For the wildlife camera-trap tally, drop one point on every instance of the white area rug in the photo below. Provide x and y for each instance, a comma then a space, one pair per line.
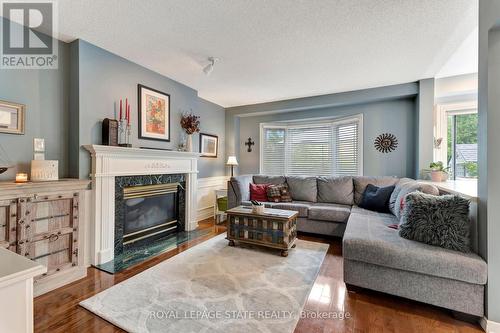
215, 288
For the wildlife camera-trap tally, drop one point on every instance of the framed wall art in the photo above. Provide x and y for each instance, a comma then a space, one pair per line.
12, 117
154, 114
209, 145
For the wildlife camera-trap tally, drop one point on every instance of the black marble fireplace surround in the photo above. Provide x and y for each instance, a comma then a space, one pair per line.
128, 181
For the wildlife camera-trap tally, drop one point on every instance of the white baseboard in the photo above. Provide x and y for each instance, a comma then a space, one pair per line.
489, 326
206, 195
205, 213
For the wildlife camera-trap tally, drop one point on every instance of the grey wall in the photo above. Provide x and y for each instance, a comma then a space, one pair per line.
396, 117
212, 118
66, 107
386, 109
74, 116
489, 154
425, 123
104, 78
45, 94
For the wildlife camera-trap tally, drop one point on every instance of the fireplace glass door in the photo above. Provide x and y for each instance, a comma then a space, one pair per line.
150, 210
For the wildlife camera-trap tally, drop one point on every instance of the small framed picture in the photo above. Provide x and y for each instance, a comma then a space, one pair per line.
154, 114
38, 145
209, 145
12, 118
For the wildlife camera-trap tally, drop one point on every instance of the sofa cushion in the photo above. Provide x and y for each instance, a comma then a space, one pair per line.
368, 239
436, 220
376, 198
303, 188
302, 207
394, 195
246, 203
329, 212
338, 190
403, 189
241, 186
264, 179
360, 183
400, 199
358, 210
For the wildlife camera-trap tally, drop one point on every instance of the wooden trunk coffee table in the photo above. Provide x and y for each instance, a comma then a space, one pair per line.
275, 228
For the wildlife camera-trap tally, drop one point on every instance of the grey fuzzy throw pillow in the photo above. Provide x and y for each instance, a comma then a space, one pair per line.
436, 220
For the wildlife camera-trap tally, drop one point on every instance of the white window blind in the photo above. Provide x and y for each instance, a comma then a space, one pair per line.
347, 159
309, 150
317, 149
273, 150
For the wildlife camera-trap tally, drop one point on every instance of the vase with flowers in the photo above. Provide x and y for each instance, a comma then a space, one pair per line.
190, 123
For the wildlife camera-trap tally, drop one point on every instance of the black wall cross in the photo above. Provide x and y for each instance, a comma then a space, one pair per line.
249, 143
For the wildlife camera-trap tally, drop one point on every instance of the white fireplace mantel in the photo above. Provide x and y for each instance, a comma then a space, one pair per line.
109, 162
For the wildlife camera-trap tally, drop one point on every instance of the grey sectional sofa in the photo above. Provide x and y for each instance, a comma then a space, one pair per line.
375, 256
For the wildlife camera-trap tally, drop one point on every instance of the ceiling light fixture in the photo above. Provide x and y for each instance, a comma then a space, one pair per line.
210, 67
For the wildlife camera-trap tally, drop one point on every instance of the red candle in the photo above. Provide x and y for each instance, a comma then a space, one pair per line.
126, 106
120, 109
128, 115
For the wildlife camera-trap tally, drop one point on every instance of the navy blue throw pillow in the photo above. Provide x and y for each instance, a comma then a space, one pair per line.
376, 198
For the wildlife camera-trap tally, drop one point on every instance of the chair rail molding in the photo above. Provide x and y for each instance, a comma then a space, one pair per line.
206, 195
109, 162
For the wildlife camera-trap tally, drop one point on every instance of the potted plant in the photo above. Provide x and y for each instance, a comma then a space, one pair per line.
190, 124
438, 172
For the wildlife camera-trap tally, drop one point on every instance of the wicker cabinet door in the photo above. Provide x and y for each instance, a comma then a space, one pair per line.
49, 234
8, 217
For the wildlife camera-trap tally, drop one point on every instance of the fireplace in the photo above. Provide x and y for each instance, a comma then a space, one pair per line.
150, 211
147, 208
113, 169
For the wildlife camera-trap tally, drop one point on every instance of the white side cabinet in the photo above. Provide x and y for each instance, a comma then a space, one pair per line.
16, 291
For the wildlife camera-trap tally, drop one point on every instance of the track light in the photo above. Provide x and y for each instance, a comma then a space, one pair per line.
210, 67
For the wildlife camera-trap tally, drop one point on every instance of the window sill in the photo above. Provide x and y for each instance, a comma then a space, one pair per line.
465, 188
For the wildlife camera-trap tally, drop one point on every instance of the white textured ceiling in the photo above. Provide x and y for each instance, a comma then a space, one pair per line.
276, 49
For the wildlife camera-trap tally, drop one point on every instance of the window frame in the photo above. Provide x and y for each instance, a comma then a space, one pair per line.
441, 125
307, 123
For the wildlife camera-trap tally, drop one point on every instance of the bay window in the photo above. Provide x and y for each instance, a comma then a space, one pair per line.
322, 148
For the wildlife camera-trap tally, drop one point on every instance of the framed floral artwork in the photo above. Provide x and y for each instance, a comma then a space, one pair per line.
154, 114
209, 145
11, 117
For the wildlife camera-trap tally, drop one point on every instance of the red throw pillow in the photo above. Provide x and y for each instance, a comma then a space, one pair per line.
258, 192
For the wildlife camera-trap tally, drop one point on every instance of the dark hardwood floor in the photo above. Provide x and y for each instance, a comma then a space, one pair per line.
369, 311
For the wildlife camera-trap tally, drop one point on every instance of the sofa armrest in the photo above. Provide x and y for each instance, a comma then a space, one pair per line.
233, 197
238, 190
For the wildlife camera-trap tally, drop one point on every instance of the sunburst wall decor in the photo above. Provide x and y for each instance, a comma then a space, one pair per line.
385, 143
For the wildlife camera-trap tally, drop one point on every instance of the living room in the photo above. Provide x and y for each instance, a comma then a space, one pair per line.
263, 166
